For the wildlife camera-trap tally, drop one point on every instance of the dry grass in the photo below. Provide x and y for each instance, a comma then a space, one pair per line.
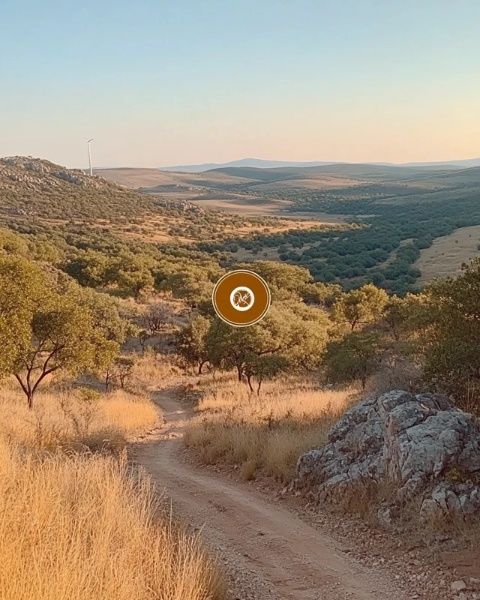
447, 254
76, 524
75, 418
152, 371
263, 434
84, 528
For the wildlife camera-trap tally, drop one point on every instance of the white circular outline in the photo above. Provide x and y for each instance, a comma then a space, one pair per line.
242, 288
254, 321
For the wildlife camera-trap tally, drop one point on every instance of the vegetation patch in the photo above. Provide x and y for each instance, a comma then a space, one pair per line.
266, 435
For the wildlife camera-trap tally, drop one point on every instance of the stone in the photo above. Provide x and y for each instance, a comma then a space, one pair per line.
420, 446
458, 586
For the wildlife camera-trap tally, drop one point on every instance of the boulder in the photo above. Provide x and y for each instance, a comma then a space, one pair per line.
420, 446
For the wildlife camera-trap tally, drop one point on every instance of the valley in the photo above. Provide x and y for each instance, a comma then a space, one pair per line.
376, 223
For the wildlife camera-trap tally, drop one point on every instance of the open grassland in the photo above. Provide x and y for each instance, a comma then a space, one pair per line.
75, 419
447, 254
76, 521
263, 434
86, 528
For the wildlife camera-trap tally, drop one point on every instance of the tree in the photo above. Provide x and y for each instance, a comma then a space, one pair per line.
156, 317
447, 333
191, 285
89, 268
293, 333
191, 342
44, 329
262, 368
283, 280
123, 369
360, 307
355, 357
324, 294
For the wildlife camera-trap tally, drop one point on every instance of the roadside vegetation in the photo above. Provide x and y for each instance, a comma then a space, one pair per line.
263, 435
85, 527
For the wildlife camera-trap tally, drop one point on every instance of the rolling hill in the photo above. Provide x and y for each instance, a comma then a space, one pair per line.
268, 164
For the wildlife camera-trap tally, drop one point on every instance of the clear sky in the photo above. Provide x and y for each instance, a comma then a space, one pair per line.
159, 83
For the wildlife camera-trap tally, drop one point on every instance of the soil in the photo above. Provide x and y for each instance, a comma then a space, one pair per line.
268, 550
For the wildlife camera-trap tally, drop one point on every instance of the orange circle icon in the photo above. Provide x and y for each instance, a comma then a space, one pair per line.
241, 298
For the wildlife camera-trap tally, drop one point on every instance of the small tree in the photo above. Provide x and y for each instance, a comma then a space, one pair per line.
446, 333
354, 358
123, 369
360, 307
191, 342
262, 368
292, 333
156, 317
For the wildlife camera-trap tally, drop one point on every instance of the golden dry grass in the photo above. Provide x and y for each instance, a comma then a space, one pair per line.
263, 434
75, 418
152, 371
447, 254
76, 524
84, 528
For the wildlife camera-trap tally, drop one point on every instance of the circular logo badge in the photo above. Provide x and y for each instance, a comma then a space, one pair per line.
241, 298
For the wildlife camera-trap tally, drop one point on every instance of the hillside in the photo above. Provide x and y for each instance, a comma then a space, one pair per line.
395, 214
35, 187
39, 196
250, 181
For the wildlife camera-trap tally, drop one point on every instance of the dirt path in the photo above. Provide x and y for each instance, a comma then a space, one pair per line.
268, 552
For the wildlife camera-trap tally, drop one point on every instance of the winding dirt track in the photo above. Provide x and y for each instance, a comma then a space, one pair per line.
268, 551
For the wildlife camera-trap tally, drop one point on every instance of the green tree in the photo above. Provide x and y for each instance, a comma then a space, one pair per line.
293, 333
360, 307
447, 333
89, 268
43, 329
191, 342
283, 280
262, 368
354, 358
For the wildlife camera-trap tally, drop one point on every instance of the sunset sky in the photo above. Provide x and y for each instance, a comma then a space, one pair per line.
160, 83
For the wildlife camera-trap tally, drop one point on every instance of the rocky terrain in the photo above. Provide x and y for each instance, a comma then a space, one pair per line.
397, 451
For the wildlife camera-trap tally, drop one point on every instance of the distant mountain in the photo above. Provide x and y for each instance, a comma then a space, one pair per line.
453, 164
258, 163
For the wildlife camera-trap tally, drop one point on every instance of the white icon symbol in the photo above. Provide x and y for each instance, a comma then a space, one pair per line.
242, 298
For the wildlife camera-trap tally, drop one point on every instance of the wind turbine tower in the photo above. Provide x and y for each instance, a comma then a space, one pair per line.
89, 144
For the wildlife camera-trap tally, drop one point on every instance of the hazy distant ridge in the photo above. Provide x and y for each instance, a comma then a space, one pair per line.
244, 162
259, 163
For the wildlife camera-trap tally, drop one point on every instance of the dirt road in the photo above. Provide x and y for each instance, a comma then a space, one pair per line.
268, 552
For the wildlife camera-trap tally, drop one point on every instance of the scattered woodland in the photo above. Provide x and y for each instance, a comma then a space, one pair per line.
93, 320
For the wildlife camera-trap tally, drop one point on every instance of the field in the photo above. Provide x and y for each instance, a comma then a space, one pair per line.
91, 533
447, 254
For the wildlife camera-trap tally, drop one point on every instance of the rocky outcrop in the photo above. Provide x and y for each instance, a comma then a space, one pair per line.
419, 447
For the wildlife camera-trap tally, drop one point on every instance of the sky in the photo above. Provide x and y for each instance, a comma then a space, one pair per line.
159, 83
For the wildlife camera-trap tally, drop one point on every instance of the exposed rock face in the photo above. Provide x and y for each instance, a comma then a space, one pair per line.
421, 446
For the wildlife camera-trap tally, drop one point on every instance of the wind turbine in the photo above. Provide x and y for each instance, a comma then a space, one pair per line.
89, 144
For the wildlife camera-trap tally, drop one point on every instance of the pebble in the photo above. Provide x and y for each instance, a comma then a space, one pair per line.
458, 586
